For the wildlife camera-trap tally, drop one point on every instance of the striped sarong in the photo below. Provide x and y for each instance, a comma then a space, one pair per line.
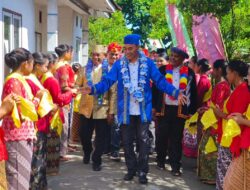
3, 181
238, 173
38, 178
223, 161
53, 156
65, 132
18, 166
74, 134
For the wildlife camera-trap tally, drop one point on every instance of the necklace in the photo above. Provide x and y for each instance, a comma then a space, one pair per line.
136, 92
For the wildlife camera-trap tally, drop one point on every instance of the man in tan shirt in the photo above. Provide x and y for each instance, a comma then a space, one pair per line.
93, 109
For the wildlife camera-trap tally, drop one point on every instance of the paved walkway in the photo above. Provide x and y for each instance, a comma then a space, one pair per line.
74, 175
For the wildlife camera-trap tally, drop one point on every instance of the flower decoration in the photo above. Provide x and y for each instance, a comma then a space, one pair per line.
136, 92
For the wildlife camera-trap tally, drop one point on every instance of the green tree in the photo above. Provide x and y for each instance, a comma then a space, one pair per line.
137, 15
106, 30
158, 18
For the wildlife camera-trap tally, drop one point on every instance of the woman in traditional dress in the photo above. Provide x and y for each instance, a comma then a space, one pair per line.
19, 133
5, 108
74, 133
52, 85
237, 103
221, 91
65, 75
238, 173
38, 176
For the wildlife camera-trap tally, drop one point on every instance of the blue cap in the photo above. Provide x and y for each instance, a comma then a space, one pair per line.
132, 39
180, 52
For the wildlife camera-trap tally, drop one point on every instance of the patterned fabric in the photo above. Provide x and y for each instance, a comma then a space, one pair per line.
74, 134
64, 136
223, 162
38, 178
18, 167
53, 155
88, 103
189, 144
12, 133
206, 162
123, 94
3, 181
238, 173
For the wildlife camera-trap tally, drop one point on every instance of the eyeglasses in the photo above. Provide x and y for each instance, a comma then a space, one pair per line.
159, 60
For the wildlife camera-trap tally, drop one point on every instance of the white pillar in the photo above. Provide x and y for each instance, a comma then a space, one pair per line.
85, 40
52, 25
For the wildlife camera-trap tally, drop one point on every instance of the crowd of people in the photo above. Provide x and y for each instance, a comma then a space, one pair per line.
124, 96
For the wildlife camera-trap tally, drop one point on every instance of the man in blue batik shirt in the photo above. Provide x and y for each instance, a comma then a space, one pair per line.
134, 102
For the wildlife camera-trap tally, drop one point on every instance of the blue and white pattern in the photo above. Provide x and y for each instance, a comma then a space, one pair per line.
137, 92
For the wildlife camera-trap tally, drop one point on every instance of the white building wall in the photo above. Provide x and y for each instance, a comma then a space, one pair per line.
65, 25
26, 9
41, 27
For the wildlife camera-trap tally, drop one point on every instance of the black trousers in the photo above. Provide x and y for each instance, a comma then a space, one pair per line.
87, 126
169, 137
139, 131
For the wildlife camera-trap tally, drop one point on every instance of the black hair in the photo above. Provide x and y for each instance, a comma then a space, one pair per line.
62, 49
52, 58
204, 65
194, 59
222, 64
39, 58
76, 67
239, 66
16, 57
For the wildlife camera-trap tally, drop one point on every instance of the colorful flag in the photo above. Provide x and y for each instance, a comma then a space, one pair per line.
178, 29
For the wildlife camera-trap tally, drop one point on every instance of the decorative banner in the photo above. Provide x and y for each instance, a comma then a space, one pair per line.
178, 29
207, 38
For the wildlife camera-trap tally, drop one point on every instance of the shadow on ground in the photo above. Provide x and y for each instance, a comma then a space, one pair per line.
74, 175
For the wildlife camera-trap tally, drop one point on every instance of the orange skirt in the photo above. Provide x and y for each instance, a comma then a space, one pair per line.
238, 173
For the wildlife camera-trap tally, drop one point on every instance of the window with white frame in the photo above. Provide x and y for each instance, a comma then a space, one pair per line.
12, 23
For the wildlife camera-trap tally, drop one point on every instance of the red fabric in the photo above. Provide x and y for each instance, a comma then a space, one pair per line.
238, 103
219, 95
3, 150
12, 133
65, 76
114, 47
59, 98
43, 123
203, 86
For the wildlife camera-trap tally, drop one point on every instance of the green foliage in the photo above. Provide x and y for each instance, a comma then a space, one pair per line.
137, 16
158, 18
106, 30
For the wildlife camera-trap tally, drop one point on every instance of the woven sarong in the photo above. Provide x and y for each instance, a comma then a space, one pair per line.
18, 167
238, 173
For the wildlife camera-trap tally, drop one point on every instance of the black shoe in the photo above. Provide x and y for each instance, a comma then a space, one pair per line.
96, 167
129, 176
86, 158
176, 173
160, 166
115, 156
143, 178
